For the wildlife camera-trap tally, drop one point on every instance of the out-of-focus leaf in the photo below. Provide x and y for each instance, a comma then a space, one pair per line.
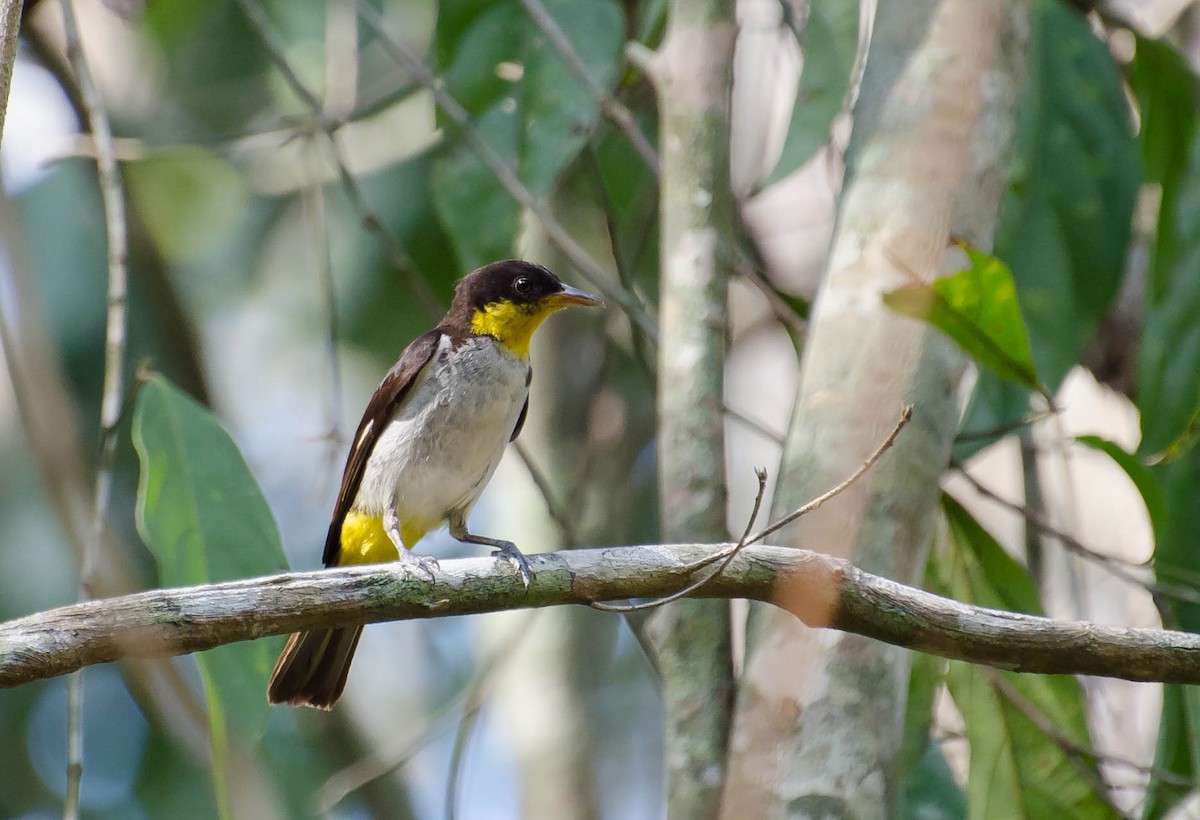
930, 790
1017, 769
376, 309
977, 308
927, 786
191, 200
1065, 223
981, 571
203, 516
480, 217
1168, 94
1177, 749
1176, 560
209, 50
527, 104
1143, 478
830, 43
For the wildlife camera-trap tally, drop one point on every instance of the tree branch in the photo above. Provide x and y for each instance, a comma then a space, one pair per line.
820, 590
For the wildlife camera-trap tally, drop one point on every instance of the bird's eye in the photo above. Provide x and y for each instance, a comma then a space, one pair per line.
521, 285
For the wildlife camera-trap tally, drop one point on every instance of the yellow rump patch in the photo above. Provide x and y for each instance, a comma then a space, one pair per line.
364, 540
511, 324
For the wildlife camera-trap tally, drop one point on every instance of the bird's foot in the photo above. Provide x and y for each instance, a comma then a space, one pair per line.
508, 551
424, 564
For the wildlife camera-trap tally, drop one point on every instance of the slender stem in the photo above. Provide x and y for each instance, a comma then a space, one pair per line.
112, 398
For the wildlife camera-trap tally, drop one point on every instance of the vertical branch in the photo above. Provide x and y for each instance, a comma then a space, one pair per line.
113, 397
819, 718
691, 639
10, 26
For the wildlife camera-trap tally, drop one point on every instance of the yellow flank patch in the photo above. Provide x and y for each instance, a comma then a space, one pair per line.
511, 324
364, 541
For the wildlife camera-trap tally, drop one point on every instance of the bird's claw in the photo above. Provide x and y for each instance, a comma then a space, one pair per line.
424, 564
509, 552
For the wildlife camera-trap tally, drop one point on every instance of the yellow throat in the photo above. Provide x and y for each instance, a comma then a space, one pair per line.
511, 324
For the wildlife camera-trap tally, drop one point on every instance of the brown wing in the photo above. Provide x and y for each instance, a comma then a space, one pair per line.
391, 391
524, 408
520, 420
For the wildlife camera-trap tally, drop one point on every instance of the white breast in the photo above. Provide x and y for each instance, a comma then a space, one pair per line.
441, 447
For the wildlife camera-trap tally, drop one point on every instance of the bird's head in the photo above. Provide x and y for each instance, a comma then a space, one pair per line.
509, 300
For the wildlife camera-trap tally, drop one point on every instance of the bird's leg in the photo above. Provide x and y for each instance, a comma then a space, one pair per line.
504, 549
424, 564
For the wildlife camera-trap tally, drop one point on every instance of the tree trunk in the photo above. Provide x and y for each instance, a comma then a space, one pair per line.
691, 638
819, 714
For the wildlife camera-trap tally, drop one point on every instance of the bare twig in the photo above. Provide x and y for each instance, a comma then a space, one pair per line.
358, 774
1075, 753
113, 391
728, 554
1118, 567
588, 268
821, 590
905, 417
731, 552
10, 26
324, 264
560, 516
616, 111
466, 727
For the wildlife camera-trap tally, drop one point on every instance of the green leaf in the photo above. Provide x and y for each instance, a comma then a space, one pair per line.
191, 200
527, 104
1143, 478
1017, 768
830, 44
1167, 94
930, 790
1178, 749
1176, 560
984, 573
977, 308
202, 515
1066, 221
1169, 355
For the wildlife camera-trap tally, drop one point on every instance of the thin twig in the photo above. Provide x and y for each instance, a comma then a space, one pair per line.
1076, 754
728, 554
905, 417
1043, 722
324, 264
1004, 429
588, 268
642, 347
560, 516
616, 111
343, 783
1121, 568
112, 398
328, 126
466, 728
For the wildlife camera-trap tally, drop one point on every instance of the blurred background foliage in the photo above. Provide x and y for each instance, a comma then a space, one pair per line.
299, 208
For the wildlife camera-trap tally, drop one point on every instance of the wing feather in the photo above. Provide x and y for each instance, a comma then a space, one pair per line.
394, 388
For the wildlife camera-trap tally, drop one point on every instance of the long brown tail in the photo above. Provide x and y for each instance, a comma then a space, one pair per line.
313, 667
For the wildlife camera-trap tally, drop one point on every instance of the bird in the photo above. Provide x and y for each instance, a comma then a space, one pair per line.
429, 441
